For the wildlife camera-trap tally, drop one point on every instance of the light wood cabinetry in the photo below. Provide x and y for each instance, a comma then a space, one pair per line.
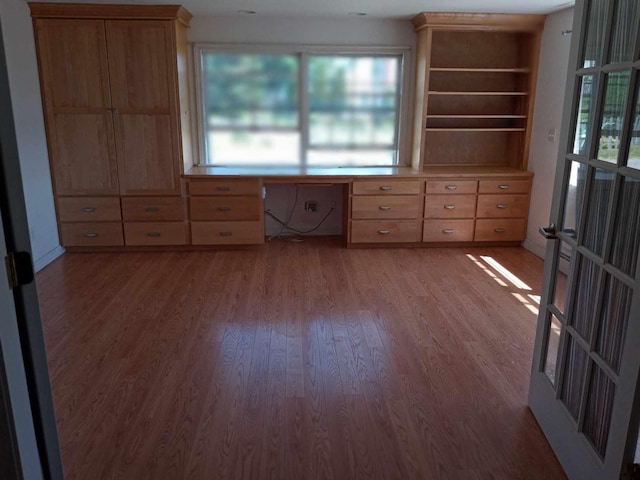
115, 97
227, 212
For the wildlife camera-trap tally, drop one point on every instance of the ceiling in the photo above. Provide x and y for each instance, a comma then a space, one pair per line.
340, 8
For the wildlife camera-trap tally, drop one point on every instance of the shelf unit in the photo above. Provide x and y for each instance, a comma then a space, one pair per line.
475, 89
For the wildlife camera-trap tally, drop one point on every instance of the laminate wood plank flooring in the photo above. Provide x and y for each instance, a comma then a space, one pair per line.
295, 362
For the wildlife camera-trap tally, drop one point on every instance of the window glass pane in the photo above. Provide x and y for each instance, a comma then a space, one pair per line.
624, 31
243, 147
626, 236
566, 260
553, 342
613, 321
584, 301
353, 105
615, 99
600, 194
573, 380
353, 158
583, 120
597, 418
574, 199
633, 160
595, 28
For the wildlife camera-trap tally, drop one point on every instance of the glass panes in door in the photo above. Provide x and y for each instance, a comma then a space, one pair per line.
595, 33
600, 196
626, 237
612, 116
582, 135
627, 17
613, 321
633, 155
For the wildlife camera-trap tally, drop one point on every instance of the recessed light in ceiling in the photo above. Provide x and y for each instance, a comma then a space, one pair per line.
358, 14
246, 12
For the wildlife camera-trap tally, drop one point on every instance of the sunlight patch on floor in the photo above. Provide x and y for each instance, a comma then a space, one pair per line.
487, 271
505, 273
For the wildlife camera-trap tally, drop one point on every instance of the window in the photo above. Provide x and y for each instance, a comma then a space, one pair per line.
308, 108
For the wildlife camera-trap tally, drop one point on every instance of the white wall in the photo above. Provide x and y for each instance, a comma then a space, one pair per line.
29, 124
554, 59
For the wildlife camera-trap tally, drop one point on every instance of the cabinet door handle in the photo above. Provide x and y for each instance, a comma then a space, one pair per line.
226, 234
224, 209
451, 187
449, 207
223, 189
384, 232
91, 235
499, 230
502, 206
89, 209
503, 187
153, 234
152, 209
386, 187
448, 231
384, 207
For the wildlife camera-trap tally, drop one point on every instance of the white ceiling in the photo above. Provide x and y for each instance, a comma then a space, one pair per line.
340, 8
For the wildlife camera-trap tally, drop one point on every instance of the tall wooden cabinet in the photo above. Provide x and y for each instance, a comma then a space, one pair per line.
116, 102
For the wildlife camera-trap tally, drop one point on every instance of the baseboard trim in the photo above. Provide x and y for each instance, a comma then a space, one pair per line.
47, 258
536, 249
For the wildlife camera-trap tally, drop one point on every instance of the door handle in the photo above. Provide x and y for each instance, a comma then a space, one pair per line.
549, 232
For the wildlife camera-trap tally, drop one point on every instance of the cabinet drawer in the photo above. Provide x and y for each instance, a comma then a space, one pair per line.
225, 208
452, 186
150, 209
386, 187
447, 231
385, 231
89, 209
450, 206
504, 186
225, 187
489, 230
155, 233
502, 206
91, 234
385, 206
226, 233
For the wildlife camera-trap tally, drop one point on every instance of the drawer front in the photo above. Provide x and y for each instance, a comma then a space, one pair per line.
451, 186
385, 231
504, 186
225, 208
448, 231
386, 187
89, 209
152, 209
155, 233
489, 230
502, 206
91, 234
450, 206
386, 206
226, 233
222, 187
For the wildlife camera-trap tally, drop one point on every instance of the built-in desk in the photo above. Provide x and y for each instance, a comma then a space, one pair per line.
382, 205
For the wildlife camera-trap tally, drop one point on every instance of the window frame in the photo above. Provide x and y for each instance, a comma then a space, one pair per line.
403, 115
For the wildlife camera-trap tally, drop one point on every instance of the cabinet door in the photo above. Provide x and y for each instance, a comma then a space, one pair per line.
74, 78
143, 88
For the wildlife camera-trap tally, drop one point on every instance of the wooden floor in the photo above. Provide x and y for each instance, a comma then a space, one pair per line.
295, 361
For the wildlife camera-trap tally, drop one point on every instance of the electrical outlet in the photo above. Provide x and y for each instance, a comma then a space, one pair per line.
311, 206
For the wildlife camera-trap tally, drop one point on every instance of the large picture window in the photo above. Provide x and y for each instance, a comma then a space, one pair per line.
306, 108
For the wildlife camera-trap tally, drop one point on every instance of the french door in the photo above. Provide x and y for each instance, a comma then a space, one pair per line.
584, 383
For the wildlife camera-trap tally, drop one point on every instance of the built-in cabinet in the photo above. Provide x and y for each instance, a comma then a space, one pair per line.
115, 98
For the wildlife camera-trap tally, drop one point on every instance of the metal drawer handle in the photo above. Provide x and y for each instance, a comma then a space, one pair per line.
499, 230
224, 209
91, 235
226, 234
88, 209
152, 209
451, 187
384, 207
153, 234
502, 206
449, 207
503, 187
386, 187
384, 232
223, 189
448, 231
